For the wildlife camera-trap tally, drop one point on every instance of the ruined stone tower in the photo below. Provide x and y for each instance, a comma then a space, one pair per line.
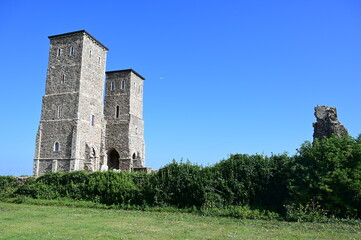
123, 112
74, 133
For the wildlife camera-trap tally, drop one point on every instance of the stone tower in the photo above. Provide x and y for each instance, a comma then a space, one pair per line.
123, 112
71, 126
76, 132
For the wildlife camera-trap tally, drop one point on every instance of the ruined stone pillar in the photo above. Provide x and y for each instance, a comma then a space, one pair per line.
327, 123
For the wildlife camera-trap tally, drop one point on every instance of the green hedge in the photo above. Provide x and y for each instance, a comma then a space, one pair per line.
8, 185
329, 172
325, 174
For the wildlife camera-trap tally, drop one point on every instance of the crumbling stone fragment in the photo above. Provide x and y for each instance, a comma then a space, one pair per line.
327, 123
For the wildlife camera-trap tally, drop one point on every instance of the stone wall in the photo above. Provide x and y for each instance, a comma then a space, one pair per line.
327, 123
74, 89
136, 124
90, 111
76, 132
123, 114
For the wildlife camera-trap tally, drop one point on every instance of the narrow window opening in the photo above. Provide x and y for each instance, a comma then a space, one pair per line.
122, 85
117, 112
58, 111
56, 147
112, 86
134, 156
62, 81
72, 51
99, 60
136, 131
59, 52
92, 120
90, 53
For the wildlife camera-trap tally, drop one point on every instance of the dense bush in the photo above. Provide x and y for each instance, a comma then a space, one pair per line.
180, 184
8, 185
253, 180
326, 172
311, 212
102, 187
329, 172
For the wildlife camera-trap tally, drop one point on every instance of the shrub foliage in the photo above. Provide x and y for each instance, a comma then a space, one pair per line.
326, 172
329, 172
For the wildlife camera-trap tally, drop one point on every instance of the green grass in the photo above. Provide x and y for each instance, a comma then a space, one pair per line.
22, 221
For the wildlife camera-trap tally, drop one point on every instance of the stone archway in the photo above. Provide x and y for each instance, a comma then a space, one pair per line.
113, 159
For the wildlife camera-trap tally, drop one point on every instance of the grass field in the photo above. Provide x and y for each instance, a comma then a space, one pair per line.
21, 221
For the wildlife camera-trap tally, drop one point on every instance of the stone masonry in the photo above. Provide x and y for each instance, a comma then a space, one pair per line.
77, 130
327, 123
123, 110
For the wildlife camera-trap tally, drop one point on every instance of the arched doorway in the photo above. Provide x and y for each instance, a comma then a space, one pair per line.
136, 160
113, 159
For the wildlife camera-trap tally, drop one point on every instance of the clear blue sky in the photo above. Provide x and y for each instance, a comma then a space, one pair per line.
222, 77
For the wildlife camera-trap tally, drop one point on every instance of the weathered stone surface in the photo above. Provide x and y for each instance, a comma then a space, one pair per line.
327, 123
142, 169
22, 179
76, 132
123, 112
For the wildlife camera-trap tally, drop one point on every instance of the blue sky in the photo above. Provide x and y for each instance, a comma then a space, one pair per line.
222, 77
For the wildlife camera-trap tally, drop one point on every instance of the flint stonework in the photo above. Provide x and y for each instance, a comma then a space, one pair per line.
327, 123
77, 130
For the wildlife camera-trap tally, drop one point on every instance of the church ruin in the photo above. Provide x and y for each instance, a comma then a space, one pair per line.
327, 123
80, 128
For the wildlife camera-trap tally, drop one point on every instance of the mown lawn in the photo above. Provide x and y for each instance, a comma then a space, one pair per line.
21, 221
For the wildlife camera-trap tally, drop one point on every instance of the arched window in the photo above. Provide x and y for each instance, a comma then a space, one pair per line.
122, 86
56, 147
90, 53
59, 52
117, 112
134, 156
72, 51
112, 85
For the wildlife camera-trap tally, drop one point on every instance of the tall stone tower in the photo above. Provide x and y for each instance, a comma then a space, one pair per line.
123, 112
71, 128
76, 132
